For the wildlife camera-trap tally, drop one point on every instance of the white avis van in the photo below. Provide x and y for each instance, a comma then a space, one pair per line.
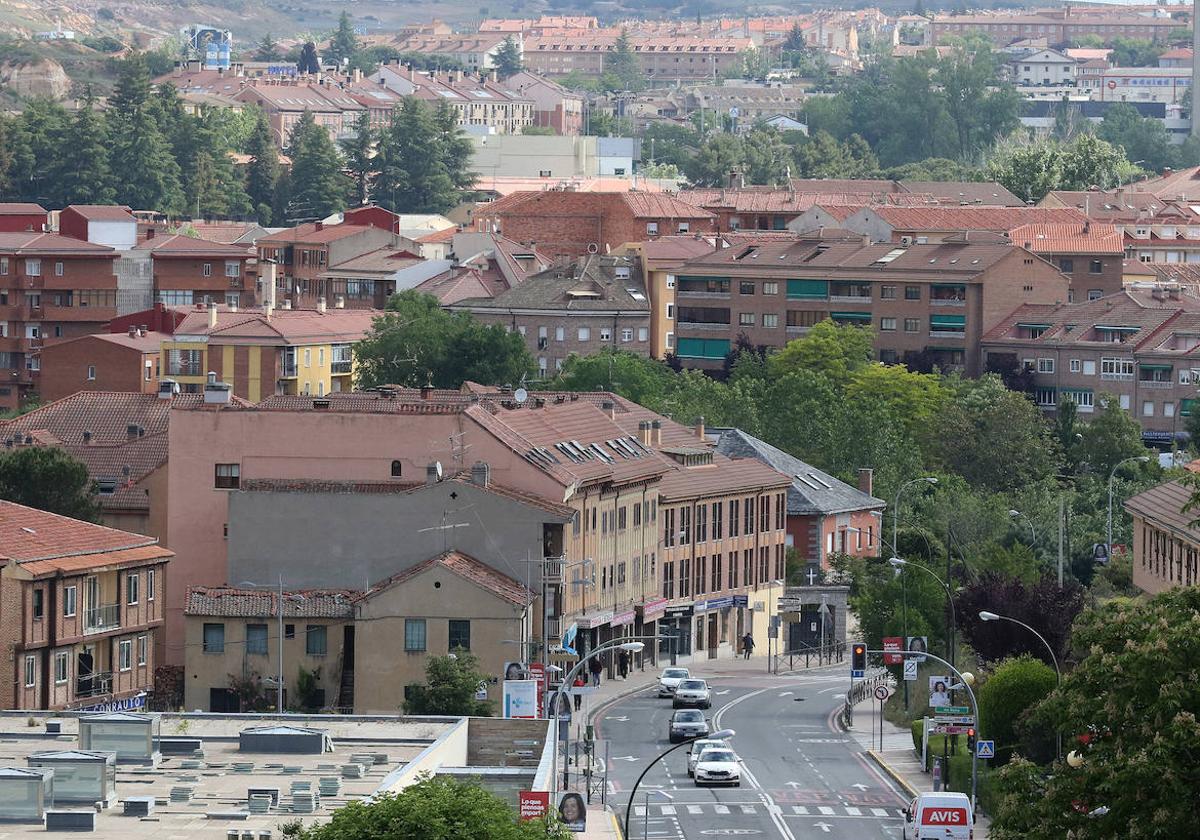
939, 816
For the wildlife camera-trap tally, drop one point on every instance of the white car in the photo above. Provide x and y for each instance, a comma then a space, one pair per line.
699, 746
669, 679
692, 693
718, 766
939, 816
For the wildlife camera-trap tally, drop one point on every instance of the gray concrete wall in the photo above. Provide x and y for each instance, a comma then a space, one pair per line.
353, 540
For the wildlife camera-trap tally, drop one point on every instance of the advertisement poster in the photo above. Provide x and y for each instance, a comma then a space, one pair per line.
939, 694
521, 699
891, 643
533, 804
920, 644
572, 811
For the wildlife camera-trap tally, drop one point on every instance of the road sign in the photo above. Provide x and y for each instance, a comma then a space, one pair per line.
881, 692
952, 710
948, 729
985, 749
856, 675
965, 720
910, 669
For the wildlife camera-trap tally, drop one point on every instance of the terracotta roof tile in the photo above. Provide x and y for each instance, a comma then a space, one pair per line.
107, 415
94, 562
1163, 505
34, 242
310, 233
230, 602
972, 218
17, 208
28, 534
191, 247
103, 212
1069, 238
466, 567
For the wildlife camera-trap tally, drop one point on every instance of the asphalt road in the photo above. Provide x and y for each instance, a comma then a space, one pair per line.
801, 777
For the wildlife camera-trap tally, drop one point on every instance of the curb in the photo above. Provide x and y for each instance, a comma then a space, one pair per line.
892, 773
620, 695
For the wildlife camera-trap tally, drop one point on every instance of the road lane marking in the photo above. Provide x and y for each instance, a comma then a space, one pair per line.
825, 810
722, 809
695, 809
748, 809
854, 812
667, 810
879, 812
800, 810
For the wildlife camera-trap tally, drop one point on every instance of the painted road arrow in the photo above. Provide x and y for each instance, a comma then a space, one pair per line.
860, 786
824, 826
793, 785
721, 693
624, 758
622, 719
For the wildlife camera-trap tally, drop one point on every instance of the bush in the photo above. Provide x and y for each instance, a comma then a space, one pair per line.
1010, 691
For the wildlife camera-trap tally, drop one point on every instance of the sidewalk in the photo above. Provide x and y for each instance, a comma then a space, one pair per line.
897, 759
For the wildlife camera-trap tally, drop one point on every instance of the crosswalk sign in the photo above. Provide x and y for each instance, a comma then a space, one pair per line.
985, 749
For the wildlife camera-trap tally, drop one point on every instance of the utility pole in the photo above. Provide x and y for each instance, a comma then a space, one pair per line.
1061, 538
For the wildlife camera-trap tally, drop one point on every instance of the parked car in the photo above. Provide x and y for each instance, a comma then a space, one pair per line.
944, 816
718, 766
669, 679
693, 693
687, 723
698, 746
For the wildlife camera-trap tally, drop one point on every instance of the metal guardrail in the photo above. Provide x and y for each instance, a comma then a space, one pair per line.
861, 691
790, 660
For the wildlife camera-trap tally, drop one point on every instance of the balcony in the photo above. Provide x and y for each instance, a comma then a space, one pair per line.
337, 368
1160, 384
947, 334
791, 330
702, 326
102, 619
99, 314
553, 569
95, 684
1116, 377
946, 302
865, 300
679, 293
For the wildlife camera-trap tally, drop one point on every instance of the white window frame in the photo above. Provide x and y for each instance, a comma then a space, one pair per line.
670, 281
606, 333
91, 373
1045, 365
626, 335
1076, 365
643, 334
560, 333
70, 601
233, 268
150, 584
206, 270
58, 268
1147, 408
142, 646
770, 320
125, 655
30, 671
584, 334
62, 665
133, 583
652, 228
1089, 367
1185, 376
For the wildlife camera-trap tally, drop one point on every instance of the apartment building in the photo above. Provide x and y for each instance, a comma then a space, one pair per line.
22, 217
1138, 345
889, 223
52, 287
1090, 254
578, 307
929, 303
575, 224
481, 106
259, 353
101, 362
304, 253
1166, 542
101, 224
285, 101
1156, 228
474, 52
1056, 26
554, 106
83, 610
660, 260
188, 270
660, 57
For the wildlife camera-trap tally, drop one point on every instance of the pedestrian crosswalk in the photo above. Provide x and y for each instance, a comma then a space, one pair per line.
749, 809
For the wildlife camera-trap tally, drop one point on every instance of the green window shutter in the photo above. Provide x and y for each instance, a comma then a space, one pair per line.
702, 348
807, 289
948, 320
865, 317
1185, 407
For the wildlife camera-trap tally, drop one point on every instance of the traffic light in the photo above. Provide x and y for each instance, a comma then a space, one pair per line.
858, 657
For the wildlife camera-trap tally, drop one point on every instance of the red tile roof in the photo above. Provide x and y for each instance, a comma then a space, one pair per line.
1069, 238
285, 326
230, 602
33, 242
106, 415
103, 212
17, 208
661, 206
973, 218
466, 567
192, 247
310, 233
29, 536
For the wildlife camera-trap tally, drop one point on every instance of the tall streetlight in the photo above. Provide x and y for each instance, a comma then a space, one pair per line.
279, 687
1016, 514
927, 479
1111, 476
900, 563
984, 615
719, 735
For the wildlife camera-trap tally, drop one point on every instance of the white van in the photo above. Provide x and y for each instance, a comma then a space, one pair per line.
939, 816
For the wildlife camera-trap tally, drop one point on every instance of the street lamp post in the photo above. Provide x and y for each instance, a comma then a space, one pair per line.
928, 479
1032, 531
900, 562
984, 615
719, 735
279, 687
1111, 476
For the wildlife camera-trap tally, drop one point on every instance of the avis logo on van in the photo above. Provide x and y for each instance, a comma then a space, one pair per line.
944, 816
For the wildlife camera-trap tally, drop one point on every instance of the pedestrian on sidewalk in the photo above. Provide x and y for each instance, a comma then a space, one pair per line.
580, 682
623, 664
747, 645
596, 668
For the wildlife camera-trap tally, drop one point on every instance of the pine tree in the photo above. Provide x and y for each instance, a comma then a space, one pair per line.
507, 59
82, 175
358, 151
344, 42
622, 62
34, 148
214, 188
267, 49
422, 160
309, 63
262, 174
317, 186
144, 170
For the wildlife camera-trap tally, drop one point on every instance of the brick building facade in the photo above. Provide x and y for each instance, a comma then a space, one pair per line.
101, 362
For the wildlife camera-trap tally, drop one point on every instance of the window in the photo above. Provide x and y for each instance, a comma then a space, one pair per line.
1066, 265
315, 640
256, 639
33, 267
887, 292
39, 604
228, 476
70, 594
912, 292
746, 287
652, 228
701, 524
746, 319
150, 584
643, 333
771, 288
232, 269
718, 523
214, 638
1125, 401
560, 334
1076, 366
585, 334
91, 373
734, 517
1095, 294
206, 270
414, 634
1168, 409
142, 641
669, 338
1045, 397
132, 582
3, 265
887, 324
30, 671
1045, 366
460, 634
1185, 377
289, 631
1148, 408
684, 227
62, 667
912, 325
748, 516
125, 654
770, 321
1089, 368
1096, 267
626, 335
670, 311
685, 525
670, 281
308, 357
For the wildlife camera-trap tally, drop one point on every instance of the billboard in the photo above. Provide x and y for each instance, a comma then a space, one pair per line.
893, 643
532, 804
521, 699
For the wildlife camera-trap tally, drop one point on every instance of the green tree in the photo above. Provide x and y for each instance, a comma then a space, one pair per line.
215, 190
719, 156
81, 174
1141, 138
422, 160
262, 173
417, 342
1111, 436
449, 687
144, 170
318, 187
344, 43
435, 808
308, 62
767, 159
1133, 694
1089, 161
834, 350
32, 148
1016, 686
915, 398
507, 59
635, 377
47, 478
669, 143
1029, 170
980, 109
267, 49
623, 64
358, 152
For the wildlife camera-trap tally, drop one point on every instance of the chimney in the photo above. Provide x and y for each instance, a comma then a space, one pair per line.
610, 409
644, 434
287, 303
481, 474
267, 273
212, 315
866, 480
167, 389
433, 473
320, 225
339, 302
656, 428
699, 427
321, 304
216, 393
133, 332
426, 392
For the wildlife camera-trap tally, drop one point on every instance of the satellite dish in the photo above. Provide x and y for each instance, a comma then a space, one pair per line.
437, 469
520, 395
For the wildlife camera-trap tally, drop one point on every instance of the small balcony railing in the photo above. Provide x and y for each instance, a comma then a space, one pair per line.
864, 299
703, 325
95, 684
102, 619
947, 302
683, 293
1155, 383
